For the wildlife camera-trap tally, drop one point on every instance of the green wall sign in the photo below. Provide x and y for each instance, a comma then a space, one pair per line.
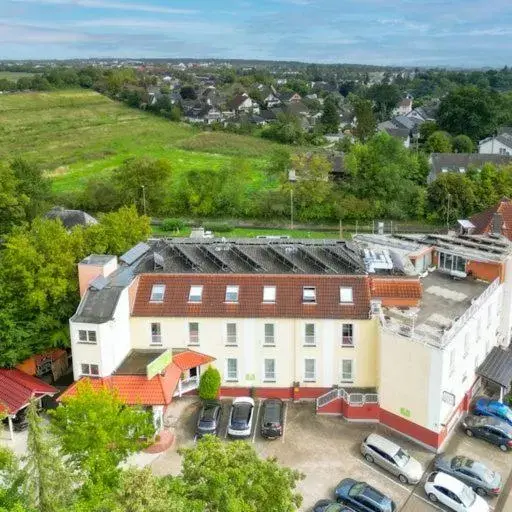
405, 412
159, 364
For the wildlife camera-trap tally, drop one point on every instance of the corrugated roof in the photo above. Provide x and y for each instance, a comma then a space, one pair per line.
497, 367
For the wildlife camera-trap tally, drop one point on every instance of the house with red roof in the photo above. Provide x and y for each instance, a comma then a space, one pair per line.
496, 220
17, 389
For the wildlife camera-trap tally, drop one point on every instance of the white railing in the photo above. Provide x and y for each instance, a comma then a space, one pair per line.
355, 399
405, 326
186, 385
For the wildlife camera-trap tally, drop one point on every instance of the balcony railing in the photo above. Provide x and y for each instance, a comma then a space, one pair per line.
187, 385
354, 398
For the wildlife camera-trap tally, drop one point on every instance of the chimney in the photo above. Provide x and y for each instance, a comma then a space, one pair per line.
94, 266
497, 224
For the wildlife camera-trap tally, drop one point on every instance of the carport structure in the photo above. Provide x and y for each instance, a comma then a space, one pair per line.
497, 368
17, 389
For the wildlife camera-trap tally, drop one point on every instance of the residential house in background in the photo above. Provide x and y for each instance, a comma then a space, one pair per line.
500, 144
462, 162
496, 220
289, 97
242, 103
70, 218
404, 107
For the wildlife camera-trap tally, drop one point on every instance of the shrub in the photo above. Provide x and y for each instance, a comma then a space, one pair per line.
219, 227
172, 224
209, 384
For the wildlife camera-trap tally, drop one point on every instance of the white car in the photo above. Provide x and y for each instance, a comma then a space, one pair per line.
453, 493
241, 416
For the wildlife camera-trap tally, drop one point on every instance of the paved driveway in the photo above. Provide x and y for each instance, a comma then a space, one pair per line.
326, 450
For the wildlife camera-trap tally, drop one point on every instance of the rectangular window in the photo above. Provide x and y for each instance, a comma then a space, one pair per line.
347, 370
269, 370
231, 370
309, 370
157, 293
156, 334
269, 334
193, 333
231, 293
196, 293
309, 294
90, 369
87, 336
309, 335
269, 294
451, 262
347, 335
346, 295
231, 334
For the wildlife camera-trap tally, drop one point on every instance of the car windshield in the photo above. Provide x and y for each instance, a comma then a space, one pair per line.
402, 458
356, 489
272, 413
241, 412
467, 496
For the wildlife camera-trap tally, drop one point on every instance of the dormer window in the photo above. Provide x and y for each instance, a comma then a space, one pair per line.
196, 293
157, 293
269, 294
231, 293
309, 294
346, 296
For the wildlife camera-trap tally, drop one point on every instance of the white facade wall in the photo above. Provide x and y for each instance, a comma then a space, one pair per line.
113, 341
494, 147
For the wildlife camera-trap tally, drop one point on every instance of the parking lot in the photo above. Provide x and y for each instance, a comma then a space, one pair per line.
326, 450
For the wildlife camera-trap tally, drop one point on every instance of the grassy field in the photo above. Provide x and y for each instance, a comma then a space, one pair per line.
75, 134
14, 76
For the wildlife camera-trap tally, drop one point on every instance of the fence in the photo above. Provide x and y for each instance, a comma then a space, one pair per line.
354, 398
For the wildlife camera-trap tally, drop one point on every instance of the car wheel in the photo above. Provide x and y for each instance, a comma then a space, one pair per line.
339, 500
469, 433
403, 479
503, 447
432, 498
481, 492
369, 458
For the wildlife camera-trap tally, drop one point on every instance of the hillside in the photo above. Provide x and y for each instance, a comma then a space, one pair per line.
75, 134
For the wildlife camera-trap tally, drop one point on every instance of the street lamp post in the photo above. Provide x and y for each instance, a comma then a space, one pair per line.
292, 178
144, 198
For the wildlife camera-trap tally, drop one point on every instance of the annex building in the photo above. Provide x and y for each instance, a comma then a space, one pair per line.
391, 329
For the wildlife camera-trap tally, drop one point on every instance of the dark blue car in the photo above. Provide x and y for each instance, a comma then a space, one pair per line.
487, 407
363, 497
330, 506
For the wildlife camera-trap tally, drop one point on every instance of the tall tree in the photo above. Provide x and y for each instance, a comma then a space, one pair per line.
12, 202
97, 431
385, 98
232, 477
13, 497
439, 142
365, 119
462, 144
330, 116
48, 484
143, 182
469, 111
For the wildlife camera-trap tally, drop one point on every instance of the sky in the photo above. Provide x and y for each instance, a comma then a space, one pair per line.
455, 33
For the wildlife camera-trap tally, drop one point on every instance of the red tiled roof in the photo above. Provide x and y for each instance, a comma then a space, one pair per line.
190, 359
250, 301
138, 390
17, 388
483, 220
396, 288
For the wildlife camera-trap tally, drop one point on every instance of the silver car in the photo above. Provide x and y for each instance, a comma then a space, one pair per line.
391, 457
473, 473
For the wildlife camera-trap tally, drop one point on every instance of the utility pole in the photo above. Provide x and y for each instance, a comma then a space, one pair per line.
144, 199
292, 178
448, 214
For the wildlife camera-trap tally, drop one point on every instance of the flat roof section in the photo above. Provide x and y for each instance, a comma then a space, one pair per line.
136, 362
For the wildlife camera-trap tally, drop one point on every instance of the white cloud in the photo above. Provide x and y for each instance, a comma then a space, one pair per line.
100, 4
403, 23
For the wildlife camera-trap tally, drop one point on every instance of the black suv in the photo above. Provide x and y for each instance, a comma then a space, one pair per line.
272, 418
209, 419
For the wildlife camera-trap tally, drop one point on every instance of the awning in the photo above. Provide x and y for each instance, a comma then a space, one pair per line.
497, 367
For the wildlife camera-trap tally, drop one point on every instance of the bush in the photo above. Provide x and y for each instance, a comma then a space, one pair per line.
172, 224
219, 227
209, 384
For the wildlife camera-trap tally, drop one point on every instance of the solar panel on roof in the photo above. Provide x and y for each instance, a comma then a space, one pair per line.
98, 283
134, 253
